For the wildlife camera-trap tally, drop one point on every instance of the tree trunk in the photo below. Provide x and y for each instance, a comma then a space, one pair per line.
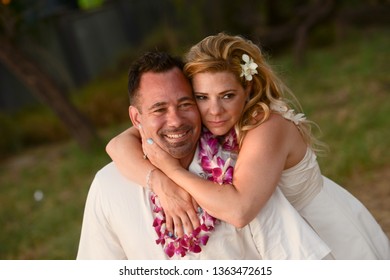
318, 12
47, 90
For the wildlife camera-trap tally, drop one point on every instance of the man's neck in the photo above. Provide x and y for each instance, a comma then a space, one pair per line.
185, 162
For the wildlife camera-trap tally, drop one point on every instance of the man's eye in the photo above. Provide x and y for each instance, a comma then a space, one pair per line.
161, 110
186, 105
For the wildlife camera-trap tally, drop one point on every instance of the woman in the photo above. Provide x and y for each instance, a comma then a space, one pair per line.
244, 108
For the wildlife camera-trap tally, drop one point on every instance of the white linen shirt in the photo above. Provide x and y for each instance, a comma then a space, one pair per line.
118, 220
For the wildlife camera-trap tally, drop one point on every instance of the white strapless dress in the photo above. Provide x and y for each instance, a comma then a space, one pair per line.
340, 219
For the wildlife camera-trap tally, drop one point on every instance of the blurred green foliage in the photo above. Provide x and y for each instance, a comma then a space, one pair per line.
181, 23
89, 4
345, 89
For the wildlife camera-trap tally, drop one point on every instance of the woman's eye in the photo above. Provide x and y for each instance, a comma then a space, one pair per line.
228, 96
200, 97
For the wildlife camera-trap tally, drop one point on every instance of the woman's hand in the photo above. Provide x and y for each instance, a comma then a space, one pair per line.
179, 207
156, 155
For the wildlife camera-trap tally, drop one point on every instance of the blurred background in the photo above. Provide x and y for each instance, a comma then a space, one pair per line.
63, 95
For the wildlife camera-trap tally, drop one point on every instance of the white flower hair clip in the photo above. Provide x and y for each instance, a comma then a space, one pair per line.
248, 68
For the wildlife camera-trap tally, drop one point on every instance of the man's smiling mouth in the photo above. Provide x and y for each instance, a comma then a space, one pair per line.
176, 135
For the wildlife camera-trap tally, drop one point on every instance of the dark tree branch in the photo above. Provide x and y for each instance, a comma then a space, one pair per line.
47, 90
314, 15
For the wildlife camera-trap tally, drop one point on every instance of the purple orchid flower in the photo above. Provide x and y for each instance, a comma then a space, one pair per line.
219, 170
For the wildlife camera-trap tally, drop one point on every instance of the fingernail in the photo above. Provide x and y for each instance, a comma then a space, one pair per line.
200, 210
139, 126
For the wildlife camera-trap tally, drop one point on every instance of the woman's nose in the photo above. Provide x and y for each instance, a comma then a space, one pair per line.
215, 107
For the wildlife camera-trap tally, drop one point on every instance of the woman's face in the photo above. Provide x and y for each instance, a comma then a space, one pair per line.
220, 98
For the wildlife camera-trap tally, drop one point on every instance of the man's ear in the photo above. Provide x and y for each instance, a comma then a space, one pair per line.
135, 116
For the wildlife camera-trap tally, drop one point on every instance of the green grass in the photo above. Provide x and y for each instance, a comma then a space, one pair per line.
50, 228
344, 88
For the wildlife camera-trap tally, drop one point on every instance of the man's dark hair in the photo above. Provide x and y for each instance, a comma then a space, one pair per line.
156, 62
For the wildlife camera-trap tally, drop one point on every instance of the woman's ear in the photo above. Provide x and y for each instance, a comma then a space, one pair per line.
135, 116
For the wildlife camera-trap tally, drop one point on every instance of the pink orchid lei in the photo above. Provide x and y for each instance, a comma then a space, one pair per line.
215, 163
217, 169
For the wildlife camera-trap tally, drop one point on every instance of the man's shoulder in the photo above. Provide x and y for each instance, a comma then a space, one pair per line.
109, 171
109, 168
109, 175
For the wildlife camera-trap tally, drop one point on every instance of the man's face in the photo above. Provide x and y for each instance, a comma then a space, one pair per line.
168, 113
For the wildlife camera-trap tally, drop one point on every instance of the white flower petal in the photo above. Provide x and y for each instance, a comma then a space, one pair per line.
248, 68
245, 58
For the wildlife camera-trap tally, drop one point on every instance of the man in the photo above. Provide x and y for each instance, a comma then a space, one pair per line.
118, 215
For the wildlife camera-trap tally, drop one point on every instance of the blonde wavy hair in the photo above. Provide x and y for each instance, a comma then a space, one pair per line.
223, 52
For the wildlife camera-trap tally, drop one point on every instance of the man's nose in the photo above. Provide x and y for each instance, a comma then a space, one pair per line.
174, 118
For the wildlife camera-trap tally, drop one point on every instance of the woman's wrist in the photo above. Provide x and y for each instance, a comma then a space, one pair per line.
161, 184
149, 184
158, 181
171, 170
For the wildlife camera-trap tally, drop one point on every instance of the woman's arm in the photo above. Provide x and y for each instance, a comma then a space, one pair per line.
125, 147
126, 151
260, 163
